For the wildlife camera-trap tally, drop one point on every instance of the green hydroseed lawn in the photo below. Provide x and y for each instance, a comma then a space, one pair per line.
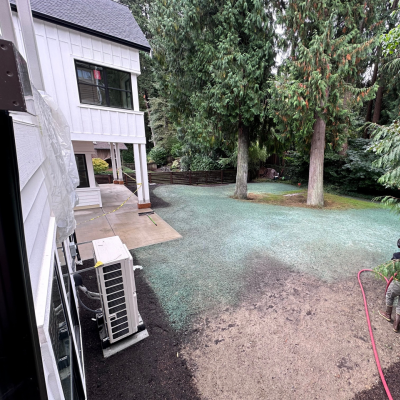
225, 239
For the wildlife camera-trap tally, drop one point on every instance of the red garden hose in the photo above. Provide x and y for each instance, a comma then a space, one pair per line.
378, 364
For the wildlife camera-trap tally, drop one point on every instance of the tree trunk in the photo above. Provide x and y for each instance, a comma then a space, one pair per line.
315, 195
378, 105
242, 163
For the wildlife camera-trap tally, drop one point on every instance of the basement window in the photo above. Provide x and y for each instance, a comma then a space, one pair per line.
102, 86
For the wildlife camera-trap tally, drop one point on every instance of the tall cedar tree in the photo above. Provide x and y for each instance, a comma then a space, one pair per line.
316, 85
216, 59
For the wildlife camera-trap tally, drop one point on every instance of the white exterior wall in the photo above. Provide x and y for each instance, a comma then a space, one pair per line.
34, 196
58, 48
88, 197
40, 239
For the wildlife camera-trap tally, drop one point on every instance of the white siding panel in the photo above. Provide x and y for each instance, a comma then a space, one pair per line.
139, 126
86, 46
132, 125
60, 83
38, 216
96, 121
30, 191
37, 228
107, 52
134, 56
123, 123
97, 50
86, 121
76, 43
116, 53
106, 123
115, 122
29, 150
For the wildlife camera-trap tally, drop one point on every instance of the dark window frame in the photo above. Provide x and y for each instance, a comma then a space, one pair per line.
106, 87
86, 172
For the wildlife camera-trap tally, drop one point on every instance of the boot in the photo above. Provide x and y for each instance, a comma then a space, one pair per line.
396, 324
387, 314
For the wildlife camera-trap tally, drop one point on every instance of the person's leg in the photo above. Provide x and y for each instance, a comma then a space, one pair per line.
390, 296
396, 291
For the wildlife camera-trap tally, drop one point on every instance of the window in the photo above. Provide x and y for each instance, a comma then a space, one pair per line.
82, 170
103, 86
62, 343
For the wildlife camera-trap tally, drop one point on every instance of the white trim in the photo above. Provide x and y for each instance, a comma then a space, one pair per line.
138, 172
145, 177
89, 189
103, 64
122, 110
41, 296
96, 137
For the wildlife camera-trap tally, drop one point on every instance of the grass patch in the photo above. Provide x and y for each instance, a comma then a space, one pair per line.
298, 198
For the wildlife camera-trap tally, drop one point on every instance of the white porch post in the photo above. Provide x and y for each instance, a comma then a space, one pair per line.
119, 166
143, 159
138, 171
114, 168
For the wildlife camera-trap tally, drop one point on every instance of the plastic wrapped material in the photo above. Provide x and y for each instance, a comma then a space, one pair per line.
60, 167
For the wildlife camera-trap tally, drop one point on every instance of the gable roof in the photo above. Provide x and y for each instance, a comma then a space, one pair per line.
103, 18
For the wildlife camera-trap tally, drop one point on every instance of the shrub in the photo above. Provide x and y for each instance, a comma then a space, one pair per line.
99, 165
176, 150
158, 155
203, 163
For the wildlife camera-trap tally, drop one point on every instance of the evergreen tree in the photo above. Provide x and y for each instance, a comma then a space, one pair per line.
316, 90
215, 62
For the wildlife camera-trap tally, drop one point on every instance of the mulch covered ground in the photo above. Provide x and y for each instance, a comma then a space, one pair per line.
378, 392
151, 369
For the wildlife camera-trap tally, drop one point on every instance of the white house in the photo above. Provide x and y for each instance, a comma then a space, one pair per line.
86, 57
89, 59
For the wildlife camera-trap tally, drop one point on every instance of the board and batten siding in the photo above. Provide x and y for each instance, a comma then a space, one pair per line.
34, 196
58, 48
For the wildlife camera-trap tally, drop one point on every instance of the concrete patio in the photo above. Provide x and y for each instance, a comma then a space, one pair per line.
134, 230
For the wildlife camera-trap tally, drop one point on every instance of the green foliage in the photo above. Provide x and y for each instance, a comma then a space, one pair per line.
317, 79
163, 132
386, 144
176, 150
158, 155
214, 60
99, 165
127, 155
353, 173
388, 269
203, 163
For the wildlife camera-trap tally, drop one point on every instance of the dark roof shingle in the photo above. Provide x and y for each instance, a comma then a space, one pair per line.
106, 18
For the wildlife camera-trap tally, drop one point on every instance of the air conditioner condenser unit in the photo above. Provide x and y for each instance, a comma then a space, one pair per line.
120, 318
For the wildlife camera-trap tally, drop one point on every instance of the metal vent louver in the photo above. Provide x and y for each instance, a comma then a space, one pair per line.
117, 287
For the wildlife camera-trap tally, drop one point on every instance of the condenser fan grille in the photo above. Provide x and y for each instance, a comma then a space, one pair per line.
116, 301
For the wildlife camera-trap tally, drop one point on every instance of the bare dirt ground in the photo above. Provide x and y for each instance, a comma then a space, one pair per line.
292, 336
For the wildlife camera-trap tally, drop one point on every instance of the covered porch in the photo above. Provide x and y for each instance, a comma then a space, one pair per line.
134, 230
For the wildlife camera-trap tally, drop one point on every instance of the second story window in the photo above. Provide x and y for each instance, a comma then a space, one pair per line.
102, 86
